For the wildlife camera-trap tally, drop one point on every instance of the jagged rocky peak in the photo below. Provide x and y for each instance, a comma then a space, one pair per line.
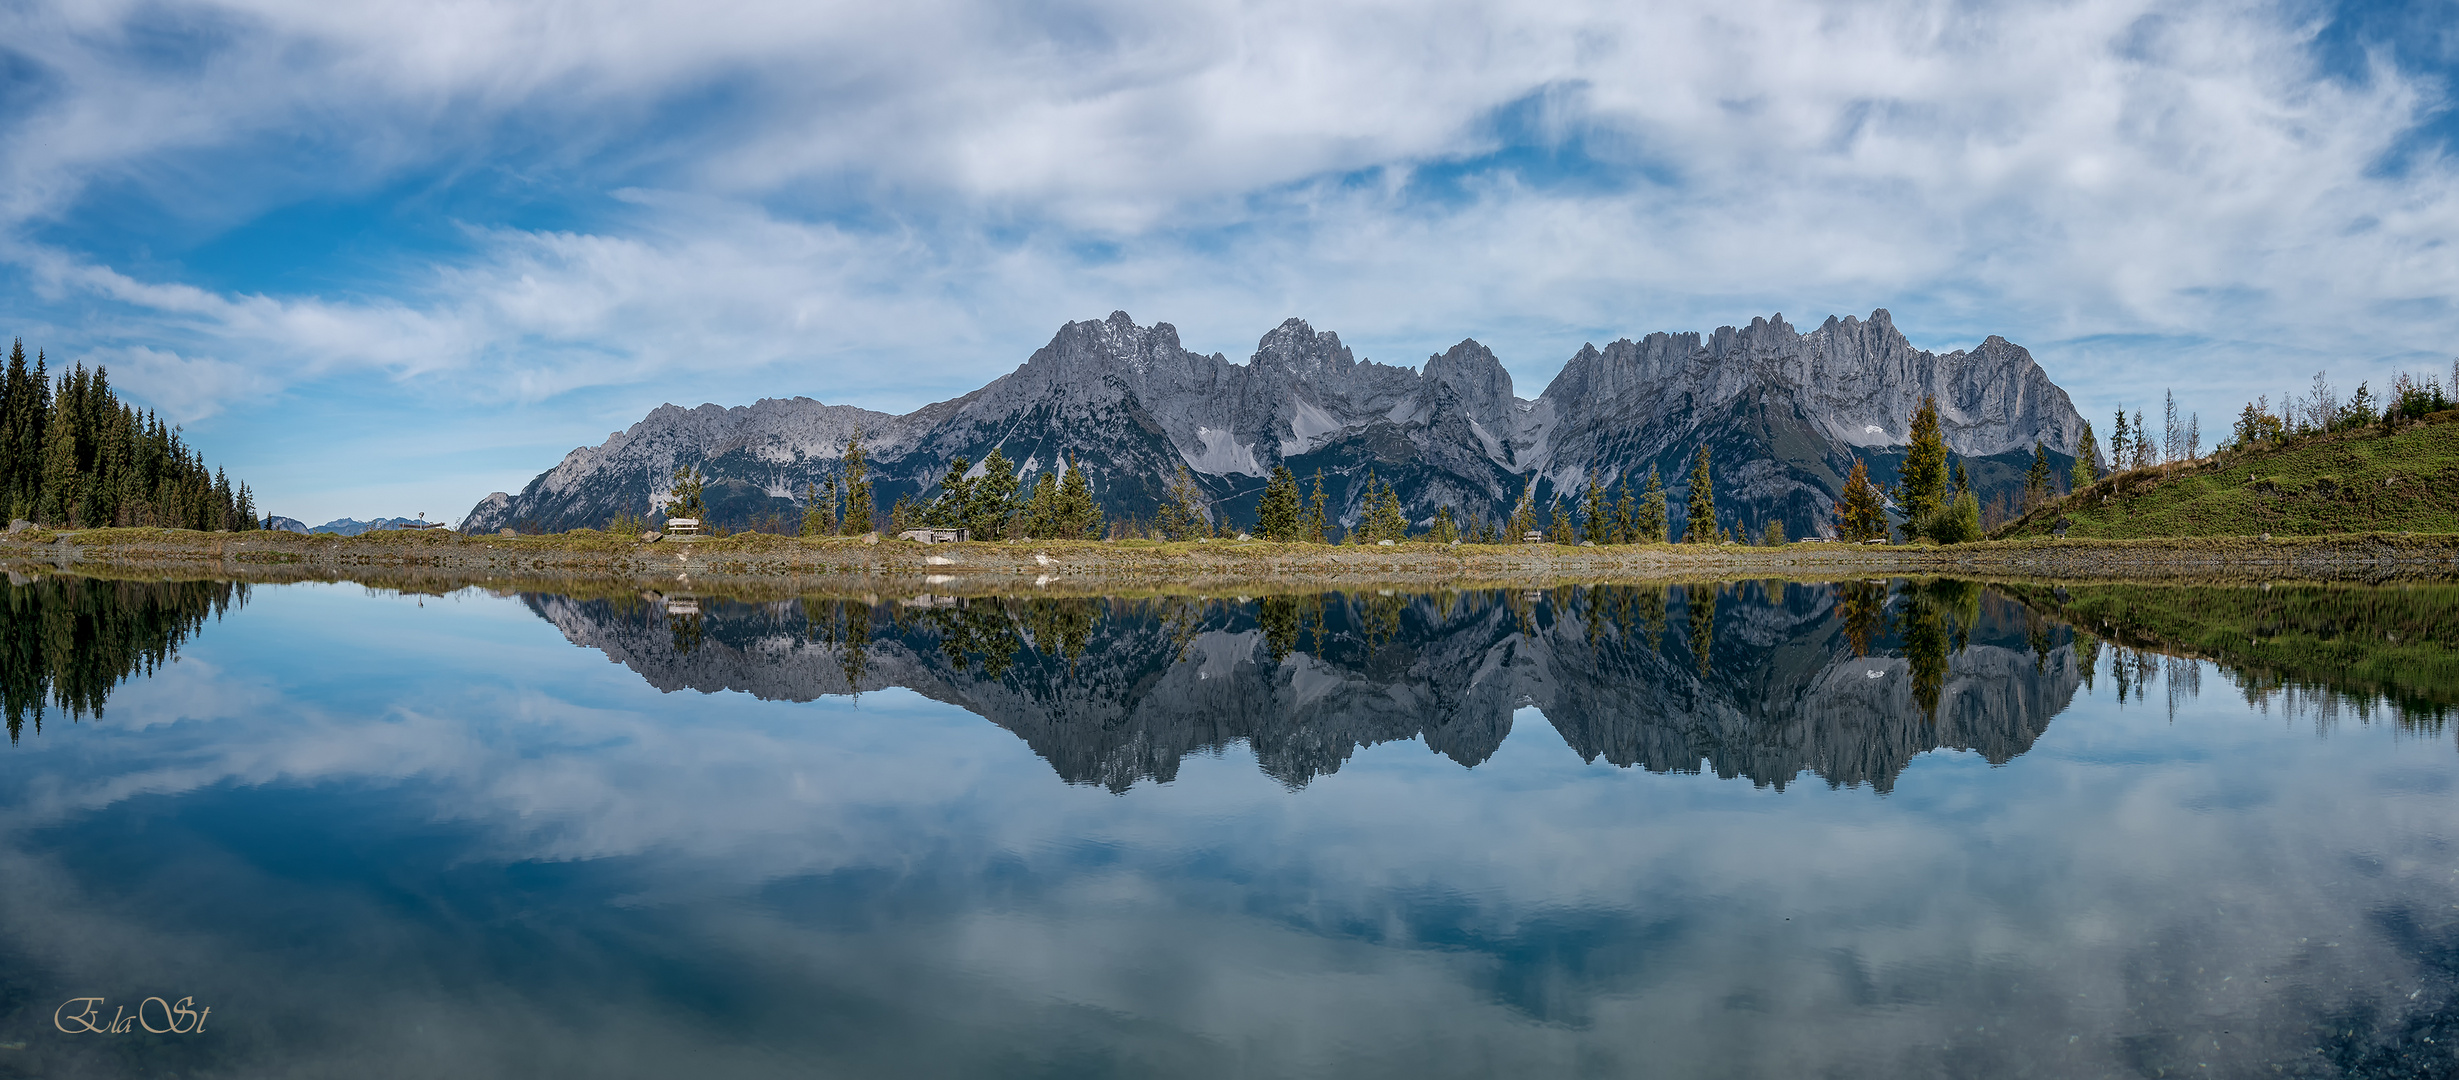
1783, 411
1475, 378
1296, 348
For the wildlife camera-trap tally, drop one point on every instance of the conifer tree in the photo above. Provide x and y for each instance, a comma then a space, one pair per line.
1924, 476
2086, 450
2146, 452
858, 507
1560, 530
1626, 515
1445, 530
1700, 524
2036, 480
59, 477
1277, 516
955, 501
1862, 514
994, 498
1317, 527
1963, 478
815, 523
1040, 520
1381, 517
1655, 519
1080, 517
1523, 516
1182, 512
2121, 444
1596, 515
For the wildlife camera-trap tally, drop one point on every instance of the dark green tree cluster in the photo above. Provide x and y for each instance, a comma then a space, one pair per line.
1060, 509
73, 456
1700, 527
984, 506
1382, 518
1280, 517
1624, 519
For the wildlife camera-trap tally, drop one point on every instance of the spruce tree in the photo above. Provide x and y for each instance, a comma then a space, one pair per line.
994, 498
1699, 526
2036, 479
1041, 513
58, 497
814, 522
1626, 515
1317, 527
1445, 530
858, 507
1655, 517
1560, 530
1862, 513
1596, 515
955, 501
1080, 517
1523, 515
2121, 444
1381, 516
2086, 450
1181, 516
1276, 517
1924, 477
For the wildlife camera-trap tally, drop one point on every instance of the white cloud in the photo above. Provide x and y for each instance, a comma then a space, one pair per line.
889, 204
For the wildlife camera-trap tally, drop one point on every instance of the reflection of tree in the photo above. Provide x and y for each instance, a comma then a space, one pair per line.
684, 628
1699, 602
1925, 650
1379, 617
1283, 619
974, 631
70, 641
1060, 627
843, 625
1938, 619
2357, 644
1864, 608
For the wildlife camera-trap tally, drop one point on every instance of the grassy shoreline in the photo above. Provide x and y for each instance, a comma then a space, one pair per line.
856, 565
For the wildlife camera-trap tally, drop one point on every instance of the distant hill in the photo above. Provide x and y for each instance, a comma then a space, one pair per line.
2353, 481
1784, 412
279, 523
353, 526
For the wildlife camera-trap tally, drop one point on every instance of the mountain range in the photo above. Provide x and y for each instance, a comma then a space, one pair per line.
1782, 412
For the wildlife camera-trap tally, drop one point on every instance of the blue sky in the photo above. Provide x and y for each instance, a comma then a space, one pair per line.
383, 259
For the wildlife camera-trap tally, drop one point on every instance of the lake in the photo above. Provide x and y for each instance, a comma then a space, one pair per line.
1882, 829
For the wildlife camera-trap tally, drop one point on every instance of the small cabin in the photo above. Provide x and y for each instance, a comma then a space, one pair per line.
682, 526
1532, 538
935, 536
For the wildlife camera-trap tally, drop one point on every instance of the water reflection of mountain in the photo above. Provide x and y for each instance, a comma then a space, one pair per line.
68, 642
1764, 681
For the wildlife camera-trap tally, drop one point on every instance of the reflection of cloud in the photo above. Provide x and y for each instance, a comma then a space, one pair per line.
876, 880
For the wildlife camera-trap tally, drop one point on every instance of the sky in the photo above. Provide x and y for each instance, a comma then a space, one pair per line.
383, 259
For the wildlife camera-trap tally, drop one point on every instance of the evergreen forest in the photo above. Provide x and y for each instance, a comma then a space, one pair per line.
72, 455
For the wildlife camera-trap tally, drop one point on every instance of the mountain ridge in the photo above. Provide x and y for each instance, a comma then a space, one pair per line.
1784, 412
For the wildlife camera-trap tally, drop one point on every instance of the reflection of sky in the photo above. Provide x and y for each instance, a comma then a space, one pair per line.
440, 840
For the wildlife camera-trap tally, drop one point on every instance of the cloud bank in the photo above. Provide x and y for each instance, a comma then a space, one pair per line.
568, 213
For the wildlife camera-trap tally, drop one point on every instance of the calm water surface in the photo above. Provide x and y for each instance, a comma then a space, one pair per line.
1863, 829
